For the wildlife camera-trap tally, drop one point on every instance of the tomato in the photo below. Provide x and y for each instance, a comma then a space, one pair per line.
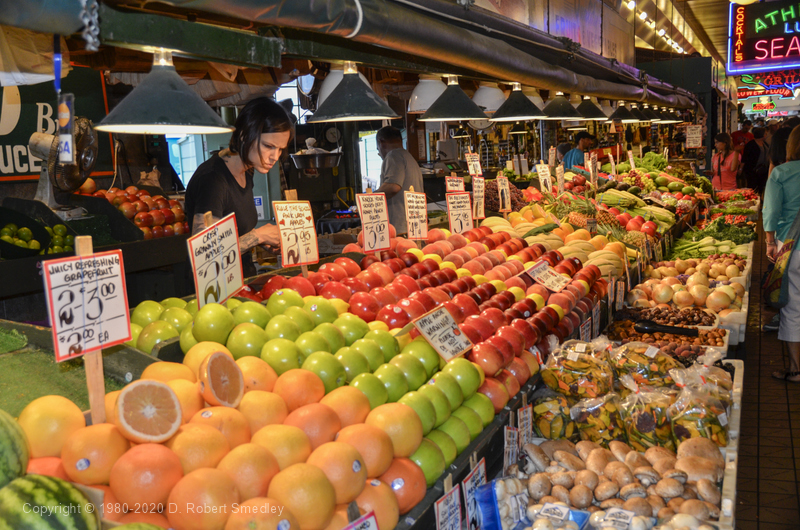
649, 228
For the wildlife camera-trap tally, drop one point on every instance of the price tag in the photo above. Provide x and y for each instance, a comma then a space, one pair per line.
586, 330
591, 225
651, 351
416, 215
475, 479
593, 168
216, 261
365, 522
612, 287
619, 298
477, 198
505, 194
474, 164
298, 233
723, 419
525, 424
448, 510
544, 177
554, 512
560, 178
630, 159
596, 320
453, 183
580, 348
87, 303
441, 331
586, 161
618, 518
551, 157
66, 133
459, 212
613, 164
511, 447
543, 274
666, 153
374, 221
573, 356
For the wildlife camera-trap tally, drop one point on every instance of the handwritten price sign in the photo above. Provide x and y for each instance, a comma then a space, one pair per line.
593, 168
441, 331
416, 215
454, 183
560, 178
543, 274
475, 479
504, 192
474, 164
544, 177
478, 191
630, 160
459, 212
87, 303
216, 261
448, 510
298, 233
551, 157
374, 221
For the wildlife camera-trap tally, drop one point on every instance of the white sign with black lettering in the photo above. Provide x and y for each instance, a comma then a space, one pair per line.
504, 193
459, 212
586, 161
416, 215
448, 510
543, 274
87, 303
525, 424
630, 160
298, 233
596, 320
474, 164
216, 261
475, 479
586, 330
374, 221
478, 188
618, 518
453, 183
510, 446
593, 169
441, 331
551, 157
554, 512
694, 136
560, 178
545, 181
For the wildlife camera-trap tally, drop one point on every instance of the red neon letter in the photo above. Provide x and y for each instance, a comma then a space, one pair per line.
763, 50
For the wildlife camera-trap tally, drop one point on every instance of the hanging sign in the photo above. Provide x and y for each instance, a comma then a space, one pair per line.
448, 510
545, 180
298, 233
763, 37
416, 215
453, 183
459, 212
216, 261
543, 274
87, 303
477, 198
504, 192
475, 479
474, 164
374, 221
441, 331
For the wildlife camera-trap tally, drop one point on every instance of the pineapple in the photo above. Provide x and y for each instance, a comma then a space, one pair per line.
635, 239
606, 218
576, 219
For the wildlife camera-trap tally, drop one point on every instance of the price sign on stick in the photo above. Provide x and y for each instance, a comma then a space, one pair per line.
510, 446
613, 164
586, 161
474, 164
525, 423
544, 177
374, 221
441, 331
504, 193
630, 160
459, 212
560, 178
596, 320
586, 330
593, 169
216, 261
475, 479
477, 198
453, 183
298, 233
416, 215
543, 274
551, 157
448, 510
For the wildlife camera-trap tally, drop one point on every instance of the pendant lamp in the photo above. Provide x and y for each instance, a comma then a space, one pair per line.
332, 80
518, 107
352, 100
574, 126
590, 111
461, 132
559, 108
651, 116
163, 104
667, 118
453, 105
675, 116
623, 115
533, 95
427, 91
606, 107
518, 128
638, 114
489, 97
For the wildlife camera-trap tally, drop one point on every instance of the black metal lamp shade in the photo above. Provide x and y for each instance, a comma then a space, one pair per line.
559, 108
518, 107
623, 115
590, 111
453, 105
352, 100
651, 116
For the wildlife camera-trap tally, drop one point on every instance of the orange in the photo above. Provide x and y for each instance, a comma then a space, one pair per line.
202, 500
379, 497
344, 468
112, 508
153, 518
262, 408
148, 411
229, 422
319, 422
145, 475
48, 421
258, 375
89, 453
407, 481
200, 351
189, 397
307, 493
374, 446
220, 380
349, 403
47, 465
251, 467
402, 425
287, 443
165, 371
111, 401
262, 513
198, 446
299, 387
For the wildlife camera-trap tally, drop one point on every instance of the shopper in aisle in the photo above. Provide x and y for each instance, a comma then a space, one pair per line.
772, 128
223, 184
724, 164
575, 157
742, 136
777, 148
399, 172
755, 160
562, 150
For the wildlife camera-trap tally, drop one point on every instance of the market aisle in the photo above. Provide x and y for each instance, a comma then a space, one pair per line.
769, 460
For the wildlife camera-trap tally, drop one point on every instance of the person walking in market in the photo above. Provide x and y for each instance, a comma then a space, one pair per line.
575, 157
755, 161
399, 171
724, 164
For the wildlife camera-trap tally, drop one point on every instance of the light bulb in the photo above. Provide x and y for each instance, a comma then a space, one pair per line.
661, 32
643, 15
631, 5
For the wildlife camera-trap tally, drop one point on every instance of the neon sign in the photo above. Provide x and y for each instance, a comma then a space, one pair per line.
747, 93
764, 36
781, 80
763, 106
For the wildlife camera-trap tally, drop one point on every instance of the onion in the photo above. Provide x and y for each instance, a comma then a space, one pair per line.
741, 264
726, 312
713, 273
641, 303
738, 288
672, 280
655, 274
727, 289
678, 287
727, 262
732, 271
722, 278
683, 299
698, 278
737, 302
703, 267
690, 271
692, 262
681, 266
634, 295
651, 283
662, 294
668, 271
646, 288
699, 292
717, 301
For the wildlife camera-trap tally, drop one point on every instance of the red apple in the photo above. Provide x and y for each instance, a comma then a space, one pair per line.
351, 267
495, 317
273, 284
355, 285
503, 346
520, 370
496, 392
530, 333
437, 294
383, 296
409, 259
407, 282
338, 272
423, 298
488, 357
414, 308
467, 304
370, 279
301, 285
471, 333
511, 383
398, 290
514, 337
530, 360
368, 260
481, 325
455, 311
383, 270
393, 316
336, 290
364, 306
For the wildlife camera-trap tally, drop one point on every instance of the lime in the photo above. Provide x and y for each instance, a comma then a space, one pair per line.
57, 241
12, 227
21, 243
6, 232
68, 248
58, 249
50, 250
34, 244
49, 230
24, 234
60, 230
7, 239
69, 239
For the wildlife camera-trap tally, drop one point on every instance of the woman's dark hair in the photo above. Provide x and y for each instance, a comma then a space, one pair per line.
260, 116
777, 146
726, 139
793, 145
758, 132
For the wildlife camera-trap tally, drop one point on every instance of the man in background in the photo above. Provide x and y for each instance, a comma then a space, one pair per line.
742, 136
575, 157
399, 172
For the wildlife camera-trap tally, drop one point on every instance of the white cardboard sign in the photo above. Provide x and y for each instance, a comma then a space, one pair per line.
441, 331
454, 183
630, 160
551, 157
545, 179
475, 479
542, 273
216, 261
474, 164
416, 215
694, 136
459, 212
374, 221
560, 178
504, 193
298, 233
448, 510
478, 191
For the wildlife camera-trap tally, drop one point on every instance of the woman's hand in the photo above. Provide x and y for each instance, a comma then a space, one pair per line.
772, 251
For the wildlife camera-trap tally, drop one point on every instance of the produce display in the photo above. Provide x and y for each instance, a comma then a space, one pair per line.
622, 331
19, 236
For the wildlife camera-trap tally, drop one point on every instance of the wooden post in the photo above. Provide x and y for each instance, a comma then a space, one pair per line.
473, 460
291, 195
448, 483
93, 361
208, 219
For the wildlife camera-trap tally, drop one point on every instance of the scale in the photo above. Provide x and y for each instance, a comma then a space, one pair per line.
447, 161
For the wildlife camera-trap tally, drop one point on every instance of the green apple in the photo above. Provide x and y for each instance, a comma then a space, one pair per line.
482, 405
311, 341
232, 303
146, 312
423, 407
412, 368
283, 298
352, 327
328, 368
173, 302
445, 444
386, 341
246, 340
423, 351
153, 333
332, 335
135, 330
192, 307
393, 379
179, 318
321, 310
282, 355
466, 374
213, 323
187, 339
372, 387
300, 317
448, 384
439, 401
282, 327
354, 362
458, 431
252, 312
430, 459
369, 349
471, 419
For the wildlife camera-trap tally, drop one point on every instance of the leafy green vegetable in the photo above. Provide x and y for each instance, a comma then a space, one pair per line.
731, 211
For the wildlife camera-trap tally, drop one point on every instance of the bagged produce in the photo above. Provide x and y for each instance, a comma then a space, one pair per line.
502, 504
697, 412
645, 363
598, 419
645, 418
551, 417
597, 348
577, 375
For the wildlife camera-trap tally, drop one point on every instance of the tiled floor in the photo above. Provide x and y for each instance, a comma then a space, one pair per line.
769, 459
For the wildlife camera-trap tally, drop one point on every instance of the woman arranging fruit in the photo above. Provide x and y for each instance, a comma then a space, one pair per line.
724, 164
224, 183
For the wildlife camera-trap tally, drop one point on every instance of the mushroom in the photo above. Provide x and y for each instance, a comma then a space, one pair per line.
689, 492
675, 503
548, 498
708, 491
569, 461
599, 459
665, 464
611, 503
656, 503
634, 460
500, 491
698, 467
592, 509
561, 493
632, 490
638, 505
536, 461
606, 490
562, 479
656, 453
596, 519
585, 448
551, 446
678, 475
587, 478
713, 510
619, 449
580, 497
665, 513
539, 485
651, 490
533, 510
514, 471
695, 508
702, 447
552, 470
669, 488
612, 468
623, 476
646, 475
